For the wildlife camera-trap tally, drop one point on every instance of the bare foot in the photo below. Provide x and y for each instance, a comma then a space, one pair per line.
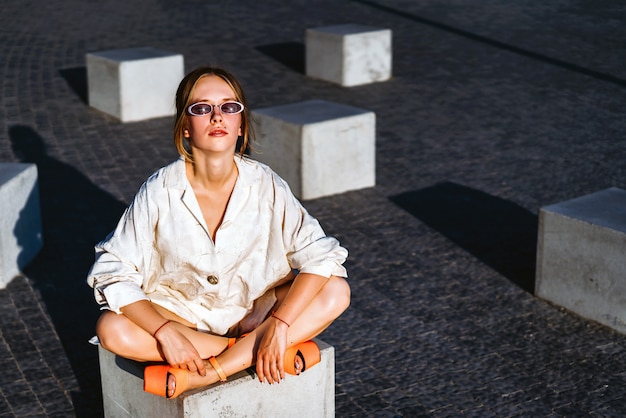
191, 381
171, 385
199, 381
298, 363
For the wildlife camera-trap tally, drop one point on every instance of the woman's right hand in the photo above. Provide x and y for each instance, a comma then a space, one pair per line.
178, 350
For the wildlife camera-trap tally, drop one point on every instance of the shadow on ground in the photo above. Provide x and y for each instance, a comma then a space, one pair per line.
501, 234
500, 45
76, 214
76, 79
290, 54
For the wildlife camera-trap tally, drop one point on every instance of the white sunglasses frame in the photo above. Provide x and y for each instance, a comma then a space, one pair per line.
213, 108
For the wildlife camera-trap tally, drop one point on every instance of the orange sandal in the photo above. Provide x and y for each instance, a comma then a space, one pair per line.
154, 378
233, 340
308, 351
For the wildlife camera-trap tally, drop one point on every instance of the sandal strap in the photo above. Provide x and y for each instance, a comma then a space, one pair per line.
218, 369
233, 340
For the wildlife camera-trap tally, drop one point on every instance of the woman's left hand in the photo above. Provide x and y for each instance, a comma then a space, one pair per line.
270, 363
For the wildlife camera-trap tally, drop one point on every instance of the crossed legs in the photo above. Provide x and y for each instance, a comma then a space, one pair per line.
123, 337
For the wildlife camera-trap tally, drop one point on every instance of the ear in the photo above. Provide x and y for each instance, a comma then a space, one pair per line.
186, 133
239, 132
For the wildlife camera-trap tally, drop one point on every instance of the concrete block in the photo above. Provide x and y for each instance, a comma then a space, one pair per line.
320, 148
20, 219
134, 84
580, 256
349, 55
312, 394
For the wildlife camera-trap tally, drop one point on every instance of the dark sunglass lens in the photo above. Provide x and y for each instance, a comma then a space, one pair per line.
231, 107
200, 109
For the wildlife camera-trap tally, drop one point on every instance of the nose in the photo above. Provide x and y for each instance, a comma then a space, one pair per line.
216, 113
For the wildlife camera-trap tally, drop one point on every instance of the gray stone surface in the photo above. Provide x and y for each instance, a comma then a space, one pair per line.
311, 394
133, 84
580, 256
496, 109
20, 219
349, 54
320, 148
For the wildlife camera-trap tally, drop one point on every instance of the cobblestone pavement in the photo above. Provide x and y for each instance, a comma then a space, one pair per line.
496, 109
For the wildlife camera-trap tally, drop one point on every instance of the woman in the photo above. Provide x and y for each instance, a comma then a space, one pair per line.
215, 265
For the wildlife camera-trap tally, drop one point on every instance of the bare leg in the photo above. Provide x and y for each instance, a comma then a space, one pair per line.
329, 303
121, 336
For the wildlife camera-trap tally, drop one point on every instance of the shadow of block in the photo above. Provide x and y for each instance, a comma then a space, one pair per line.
76, 214
501, 234
290, 54
76, 78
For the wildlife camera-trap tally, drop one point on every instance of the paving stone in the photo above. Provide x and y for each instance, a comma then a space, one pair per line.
494, 111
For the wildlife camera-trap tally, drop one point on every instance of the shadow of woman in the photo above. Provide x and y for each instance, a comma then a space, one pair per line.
75, 215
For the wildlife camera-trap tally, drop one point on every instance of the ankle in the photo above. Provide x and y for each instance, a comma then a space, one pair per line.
217, 368
198, 381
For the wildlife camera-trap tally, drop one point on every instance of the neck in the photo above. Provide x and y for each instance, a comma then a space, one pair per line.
212, 173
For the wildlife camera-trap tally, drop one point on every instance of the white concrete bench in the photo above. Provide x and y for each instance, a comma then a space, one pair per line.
320, 148
349, 55
134, 84
20, 219
581, 256
311, 394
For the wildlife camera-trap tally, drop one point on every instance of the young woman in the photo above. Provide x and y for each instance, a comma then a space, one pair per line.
215, 265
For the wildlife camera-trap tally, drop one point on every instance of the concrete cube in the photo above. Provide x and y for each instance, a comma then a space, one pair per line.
311, 394
134, 84
320, 148
20, 219
580, 256
349, 55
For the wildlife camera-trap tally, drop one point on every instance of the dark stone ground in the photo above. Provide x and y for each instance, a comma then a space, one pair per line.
496, 109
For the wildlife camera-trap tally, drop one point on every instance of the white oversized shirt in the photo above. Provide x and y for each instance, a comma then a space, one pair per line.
161, 249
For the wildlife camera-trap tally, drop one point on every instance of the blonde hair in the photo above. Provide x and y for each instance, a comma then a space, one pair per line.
184, 94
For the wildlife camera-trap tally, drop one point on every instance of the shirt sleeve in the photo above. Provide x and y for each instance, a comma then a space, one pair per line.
309, 250
117, 276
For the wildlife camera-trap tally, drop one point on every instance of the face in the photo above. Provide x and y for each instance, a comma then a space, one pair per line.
216, 132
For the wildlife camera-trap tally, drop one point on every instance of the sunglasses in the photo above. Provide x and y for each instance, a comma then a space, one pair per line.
203, 109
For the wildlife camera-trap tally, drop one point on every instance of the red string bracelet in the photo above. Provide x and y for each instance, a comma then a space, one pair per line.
159, 328
281, 320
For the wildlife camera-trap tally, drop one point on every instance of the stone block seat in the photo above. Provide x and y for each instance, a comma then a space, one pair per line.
20, 219
581, 262
134, 84
320, 148
349, 54
311, 394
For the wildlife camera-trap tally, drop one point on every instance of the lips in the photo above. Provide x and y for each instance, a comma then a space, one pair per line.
218, 132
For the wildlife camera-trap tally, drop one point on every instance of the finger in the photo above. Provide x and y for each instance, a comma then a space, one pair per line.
281, 367
275, 371
200, 366
268, 371
259, 370
191, 366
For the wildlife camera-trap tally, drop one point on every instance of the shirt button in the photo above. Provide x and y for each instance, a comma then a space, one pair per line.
212, 279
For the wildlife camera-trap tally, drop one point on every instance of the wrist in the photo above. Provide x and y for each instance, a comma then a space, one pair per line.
154, 334
280, 320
